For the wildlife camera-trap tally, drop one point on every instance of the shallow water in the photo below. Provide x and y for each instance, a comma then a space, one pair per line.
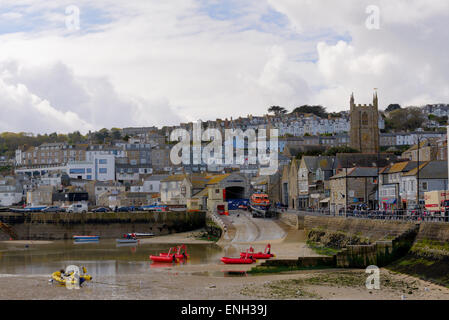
104, 257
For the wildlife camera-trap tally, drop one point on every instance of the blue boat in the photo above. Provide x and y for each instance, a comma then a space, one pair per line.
86, 238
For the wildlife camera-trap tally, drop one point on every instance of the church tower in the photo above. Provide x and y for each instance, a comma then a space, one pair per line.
364, 135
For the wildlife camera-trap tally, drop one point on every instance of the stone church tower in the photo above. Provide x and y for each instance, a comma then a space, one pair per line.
364, 134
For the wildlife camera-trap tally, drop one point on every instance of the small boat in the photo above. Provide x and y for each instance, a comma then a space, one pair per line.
259, 255
127, 240
247, 259
227, 260
62, 279
170, 257
181, 252
140, 235
86, 238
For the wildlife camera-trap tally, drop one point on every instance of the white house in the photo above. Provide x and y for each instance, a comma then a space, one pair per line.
100, 168
10, 192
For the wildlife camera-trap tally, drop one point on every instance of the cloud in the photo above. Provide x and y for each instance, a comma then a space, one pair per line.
53, 98
159, 63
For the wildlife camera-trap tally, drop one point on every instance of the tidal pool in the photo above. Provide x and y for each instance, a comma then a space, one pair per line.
102, 258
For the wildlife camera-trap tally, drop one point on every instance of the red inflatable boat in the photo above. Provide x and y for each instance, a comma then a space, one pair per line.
169, 257
246, 259
181, 252
166, 259
226, 260
259, 255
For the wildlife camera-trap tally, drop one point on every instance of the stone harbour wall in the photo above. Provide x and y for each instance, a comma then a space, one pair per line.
59, 226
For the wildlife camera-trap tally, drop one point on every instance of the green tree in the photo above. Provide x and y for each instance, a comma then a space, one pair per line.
116, 134
276, 110
392, 107
407, 119
343, 149
319, 111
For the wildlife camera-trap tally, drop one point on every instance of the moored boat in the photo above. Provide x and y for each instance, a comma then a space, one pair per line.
86, 238
170, 257
127, 240
247, 259
180, 252
227, 260
68, 279
140, 235
259, 255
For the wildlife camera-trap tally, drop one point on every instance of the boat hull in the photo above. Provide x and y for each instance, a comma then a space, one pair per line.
56, 276
164, 259
178, 256
126, 241
226, 260
258, 255
86, 238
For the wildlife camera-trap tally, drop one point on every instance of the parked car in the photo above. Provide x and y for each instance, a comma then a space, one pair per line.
123, 209
101, 209
53, 209
77, 208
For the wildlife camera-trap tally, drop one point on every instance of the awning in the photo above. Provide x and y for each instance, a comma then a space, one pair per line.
390, 201
325, 200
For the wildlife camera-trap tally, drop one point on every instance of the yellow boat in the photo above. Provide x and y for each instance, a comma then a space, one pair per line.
70, 279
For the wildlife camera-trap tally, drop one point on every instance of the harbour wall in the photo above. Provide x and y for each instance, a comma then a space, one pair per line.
59, 226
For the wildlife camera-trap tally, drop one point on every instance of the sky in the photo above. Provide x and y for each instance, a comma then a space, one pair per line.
151, 62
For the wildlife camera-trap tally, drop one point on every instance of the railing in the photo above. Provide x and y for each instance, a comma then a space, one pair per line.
219, 221
399, 215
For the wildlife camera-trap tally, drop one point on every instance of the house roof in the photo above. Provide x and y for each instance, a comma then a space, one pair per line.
426, 142
156, 177
202, 193
358, 172
315, 162
343, 160
218, 178
430, 170
175, 177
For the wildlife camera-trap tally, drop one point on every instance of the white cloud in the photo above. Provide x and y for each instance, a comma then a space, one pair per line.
158, 62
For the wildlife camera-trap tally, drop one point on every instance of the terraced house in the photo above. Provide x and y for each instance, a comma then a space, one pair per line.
390, 184
313, 181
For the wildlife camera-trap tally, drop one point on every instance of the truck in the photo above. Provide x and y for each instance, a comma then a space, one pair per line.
437, 202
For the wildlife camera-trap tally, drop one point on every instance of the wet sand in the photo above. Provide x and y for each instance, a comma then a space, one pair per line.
25, 242
210, 281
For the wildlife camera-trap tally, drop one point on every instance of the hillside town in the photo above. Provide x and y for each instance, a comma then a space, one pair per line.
334, 164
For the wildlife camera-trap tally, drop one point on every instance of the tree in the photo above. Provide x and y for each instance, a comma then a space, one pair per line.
116, 133
277, 110
407, 119
392, 107
343, 149
319, 111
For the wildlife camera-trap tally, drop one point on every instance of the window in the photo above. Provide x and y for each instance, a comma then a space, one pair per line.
364, 119
89, 177
103, 170
103, 161
89, 170
424, 186
77, 171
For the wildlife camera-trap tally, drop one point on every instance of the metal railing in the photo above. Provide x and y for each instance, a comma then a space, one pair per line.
398, 215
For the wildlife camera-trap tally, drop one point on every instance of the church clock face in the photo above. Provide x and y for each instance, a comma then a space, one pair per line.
365, 137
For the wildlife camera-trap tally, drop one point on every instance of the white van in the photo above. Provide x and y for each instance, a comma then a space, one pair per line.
77, 208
